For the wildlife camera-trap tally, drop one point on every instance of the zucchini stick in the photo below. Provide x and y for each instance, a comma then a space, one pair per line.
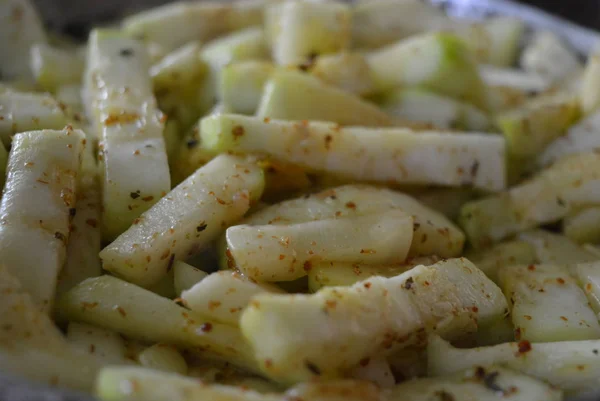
224, 295
583, 226
130, 310
85, 239
302, 30
20, 112
186, 276
383, 155
185, 221
121, 106
439, 62
552, 194
433, 234
173, 25
296, 337
347, 71
54, 67
286, 252
20, 28
573, 366
37, 205
105, 345
547, 304
163, 357
292, 95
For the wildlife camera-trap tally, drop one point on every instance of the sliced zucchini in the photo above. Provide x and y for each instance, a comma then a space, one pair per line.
495, 41
241, 85
536, 124
185, 221
547, 55
440, 62
173, 25
186, 276
37, 205
121, 106
105, 345
224, 295
494, 259
442, 297
286, 252
549, 196
547, 304
292, 95
347, 71
433, 234
572, 366
583, 226
553, 248
248, 44
125, 308
581, 137
163, 357
54, 67
21, 112
303, 30
380, 155
438, 110
20, 28
379, 23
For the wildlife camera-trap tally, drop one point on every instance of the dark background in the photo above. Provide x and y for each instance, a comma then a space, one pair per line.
584, 12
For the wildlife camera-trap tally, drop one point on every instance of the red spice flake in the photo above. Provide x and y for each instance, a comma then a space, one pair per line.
328, 140
281, 257
221, 201
180, 302
367, 285
266, 120
475, 309
560, 280
338, 214
212, 305
564, 318
148, 258
268, 363
148, 198
588, 287
206, 327
165, 254
121, 311
351, 205
307, 266
89, 305
170, 264
136, 153
527, 317
580, 367
124, 118
518, 333
367, 251
137, 221
238, 131
364, 362
531, 268
42, 181
330, 304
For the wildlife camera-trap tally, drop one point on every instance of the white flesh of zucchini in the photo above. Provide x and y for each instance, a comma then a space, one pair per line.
105, 345
433, 234
185, 221
547, 304
20, 28
185, 276
296, 337
36, 208
130, 310
20, 112
121, 106
383, 155
224, 295
301, 30
286, 252
163, 357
